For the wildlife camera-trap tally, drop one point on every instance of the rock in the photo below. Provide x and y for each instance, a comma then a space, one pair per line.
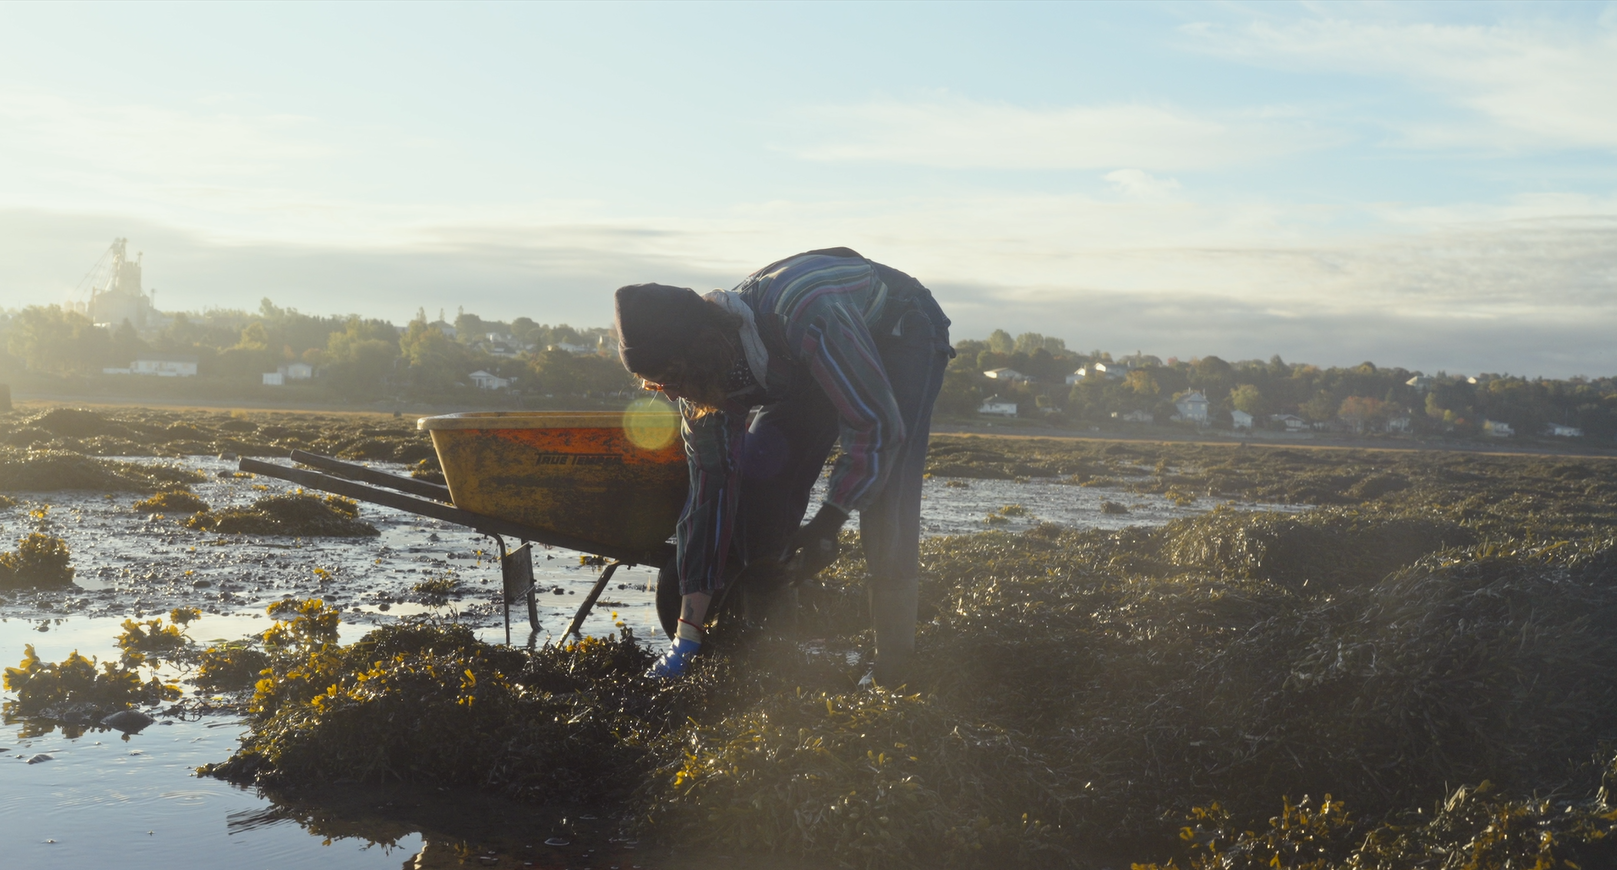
41, 757
128, 721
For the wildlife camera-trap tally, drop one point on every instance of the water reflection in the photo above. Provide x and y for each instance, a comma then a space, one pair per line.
455, 828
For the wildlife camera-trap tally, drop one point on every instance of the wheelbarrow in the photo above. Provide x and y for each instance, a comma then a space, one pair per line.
610, 485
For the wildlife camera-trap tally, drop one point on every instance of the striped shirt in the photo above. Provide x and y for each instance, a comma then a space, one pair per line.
814, 313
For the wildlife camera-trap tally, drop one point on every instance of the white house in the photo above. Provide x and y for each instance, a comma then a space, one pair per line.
1099, 371
274, 379
165, 366
574, 349
1421, 383
1402, 425
485, 381
1135, 416
1241, 419
1008, 375
1556, 430
296, 371
1292, 422
998, 407
1192, 407
1497, 430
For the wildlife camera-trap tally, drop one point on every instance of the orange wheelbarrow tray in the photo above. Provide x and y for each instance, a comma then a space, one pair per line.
610, 484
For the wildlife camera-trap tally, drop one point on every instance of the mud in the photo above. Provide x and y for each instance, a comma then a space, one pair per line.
149, 432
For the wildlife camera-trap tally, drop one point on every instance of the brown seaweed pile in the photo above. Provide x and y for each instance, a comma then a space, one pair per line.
422, 705
51, 470
296, 514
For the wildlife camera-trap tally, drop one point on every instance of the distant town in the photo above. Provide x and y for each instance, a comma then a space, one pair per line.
114, 340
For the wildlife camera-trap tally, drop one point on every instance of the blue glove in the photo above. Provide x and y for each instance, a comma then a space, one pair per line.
677, 659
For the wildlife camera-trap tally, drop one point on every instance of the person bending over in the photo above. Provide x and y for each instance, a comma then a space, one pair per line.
830, 348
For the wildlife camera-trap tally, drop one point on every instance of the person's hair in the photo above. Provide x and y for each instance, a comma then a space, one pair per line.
701, 367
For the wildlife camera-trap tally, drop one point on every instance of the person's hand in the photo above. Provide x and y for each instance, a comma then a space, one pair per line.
814, 546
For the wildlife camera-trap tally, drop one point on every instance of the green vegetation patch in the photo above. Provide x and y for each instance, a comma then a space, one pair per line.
294, 514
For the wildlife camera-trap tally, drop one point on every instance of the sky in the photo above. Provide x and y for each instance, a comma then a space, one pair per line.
1422, 185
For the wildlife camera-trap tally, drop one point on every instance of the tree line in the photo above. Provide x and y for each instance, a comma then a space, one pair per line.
1365, 397
368, 358
354, 357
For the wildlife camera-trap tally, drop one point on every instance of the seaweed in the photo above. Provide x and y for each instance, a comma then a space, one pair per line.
39, 562
173, 502
45, 471
143, 431
1487, 829
77, 423
559, 720
140, 641
74, 692
1330, 546
427, 469
862, 779
294, 514
230, 667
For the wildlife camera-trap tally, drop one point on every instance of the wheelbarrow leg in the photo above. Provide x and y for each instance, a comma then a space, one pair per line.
516, 576
589, 600
533, 611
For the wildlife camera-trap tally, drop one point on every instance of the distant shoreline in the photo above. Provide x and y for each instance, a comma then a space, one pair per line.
1311, 441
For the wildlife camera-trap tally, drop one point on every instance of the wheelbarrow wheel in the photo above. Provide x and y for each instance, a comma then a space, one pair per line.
668, 600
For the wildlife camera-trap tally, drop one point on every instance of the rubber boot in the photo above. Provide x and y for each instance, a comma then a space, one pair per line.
892, 613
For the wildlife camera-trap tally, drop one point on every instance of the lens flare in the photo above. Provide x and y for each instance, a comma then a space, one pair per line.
651, 424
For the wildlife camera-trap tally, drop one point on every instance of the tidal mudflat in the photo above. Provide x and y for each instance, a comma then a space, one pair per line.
1121, 643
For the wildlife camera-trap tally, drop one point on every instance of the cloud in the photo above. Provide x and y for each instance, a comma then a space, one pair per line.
1140, 184
959, 133
113, 141
1533, 84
